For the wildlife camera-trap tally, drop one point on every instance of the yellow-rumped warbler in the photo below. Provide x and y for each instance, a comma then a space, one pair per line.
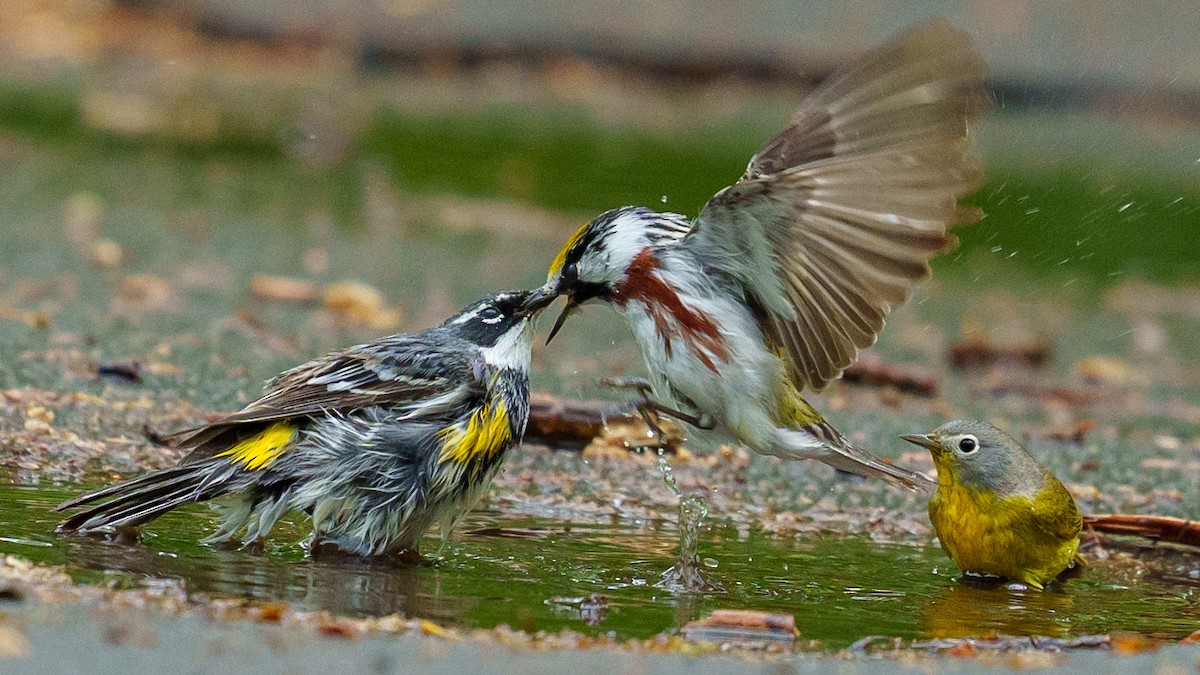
376, 442
786, 274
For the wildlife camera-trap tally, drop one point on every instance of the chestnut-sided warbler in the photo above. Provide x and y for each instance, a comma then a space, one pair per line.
785, 275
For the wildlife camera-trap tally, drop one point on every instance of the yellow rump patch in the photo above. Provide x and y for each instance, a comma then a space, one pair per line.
485, 434
793, 409
556, 265
258, 451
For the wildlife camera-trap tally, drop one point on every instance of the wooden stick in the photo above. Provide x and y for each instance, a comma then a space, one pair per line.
562, 422
1160, 528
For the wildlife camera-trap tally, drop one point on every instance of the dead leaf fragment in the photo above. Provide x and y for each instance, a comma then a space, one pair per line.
962, 650
434, 630
284, 289
13, 643
337, 629
106, 253
1105, 370
33, 319
357, 302
271, 612
145, 293
742, 625
977, 350
1131, 643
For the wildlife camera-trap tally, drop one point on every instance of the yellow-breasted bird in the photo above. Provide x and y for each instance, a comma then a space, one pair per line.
996, 510
376, 443
785, 275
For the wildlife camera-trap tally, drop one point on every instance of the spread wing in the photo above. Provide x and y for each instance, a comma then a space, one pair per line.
402, 371
837, 217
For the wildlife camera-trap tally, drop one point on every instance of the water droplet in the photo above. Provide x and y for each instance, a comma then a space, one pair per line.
710, 563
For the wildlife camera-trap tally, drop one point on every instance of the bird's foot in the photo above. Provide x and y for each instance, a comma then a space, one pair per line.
639, 384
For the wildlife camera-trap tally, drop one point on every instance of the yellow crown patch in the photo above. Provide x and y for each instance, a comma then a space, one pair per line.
556, 265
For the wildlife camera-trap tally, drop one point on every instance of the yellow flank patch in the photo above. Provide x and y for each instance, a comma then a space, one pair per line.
556, 265
258, 451
484, 434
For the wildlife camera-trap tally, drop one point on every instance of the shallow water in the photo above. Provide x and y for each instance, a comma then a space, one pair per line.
539, 574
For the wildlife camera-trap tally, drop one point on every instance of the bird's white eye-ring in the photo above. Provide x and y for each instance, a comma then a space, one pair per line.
490, 315
968, 444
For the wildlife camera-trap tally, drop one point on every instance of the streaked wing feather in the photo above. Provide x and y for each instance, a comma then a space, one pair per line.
923, 82
837, 217
401, 371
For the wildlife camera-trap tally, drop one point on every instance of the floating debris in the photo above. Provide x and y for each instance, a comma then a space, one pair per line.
742, 627
591, 609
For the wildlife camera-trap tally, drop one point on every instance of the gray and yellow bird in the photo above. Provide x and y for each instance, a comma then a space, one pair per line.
784, 276
996, 510
376, 443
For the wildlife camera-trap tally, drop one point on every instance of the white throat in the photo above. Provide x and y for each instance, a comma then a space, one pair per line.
513, 349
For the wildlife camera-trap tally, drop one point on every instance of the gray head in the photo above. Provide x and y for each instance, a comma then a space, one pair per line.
978, 454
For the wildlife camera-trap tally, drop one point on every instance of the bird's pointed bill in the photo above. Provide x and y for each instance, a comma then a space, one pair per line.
923, 440
562, 318
538, 300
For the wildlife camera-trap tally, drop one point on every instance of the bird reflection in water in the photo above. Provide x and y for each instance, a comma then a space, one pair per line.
344, 585
979, 607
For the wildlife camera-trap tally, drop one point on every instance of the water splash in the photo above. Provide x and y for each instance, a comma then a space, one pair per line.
687, 574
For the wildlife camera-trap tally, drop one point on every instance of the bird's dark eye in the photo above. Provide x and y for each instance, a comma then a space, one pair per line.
968, 445
490, 314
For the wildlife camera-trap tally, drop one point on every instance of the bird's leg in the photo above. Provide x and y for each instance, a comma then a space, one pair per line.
702, 421
650, 410
642, 406
639, 384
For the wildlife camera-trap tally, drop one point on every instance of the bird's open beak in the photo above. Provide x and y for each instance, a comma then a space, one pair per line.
562, 318
537, 301
923, 440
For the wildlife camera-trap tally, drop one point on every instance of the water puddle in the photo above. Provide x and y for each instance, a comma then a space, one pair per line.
541, 574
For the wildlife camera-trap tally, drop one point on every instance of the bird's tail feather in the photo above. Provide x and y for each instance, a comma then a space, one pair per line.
815, 439
809, 436
137, 501
853, 459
